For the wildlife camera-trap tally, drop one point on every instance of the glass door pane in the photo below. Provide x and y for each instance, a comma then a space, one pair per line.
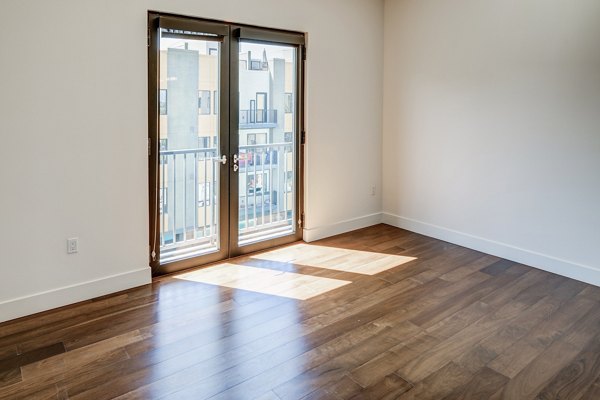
267, 137
189, 156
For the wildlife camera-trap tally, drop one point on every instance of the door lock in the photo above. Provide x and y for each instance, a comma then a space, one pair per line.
235, 163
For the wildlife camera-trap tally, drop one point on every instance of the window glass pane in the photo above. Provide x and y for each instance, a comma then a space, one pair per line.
189, 148
267, 174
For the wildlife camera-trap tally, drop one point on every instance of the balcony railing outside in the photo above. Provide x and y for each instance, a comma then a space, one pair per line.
187, 202
189, 213
266, 197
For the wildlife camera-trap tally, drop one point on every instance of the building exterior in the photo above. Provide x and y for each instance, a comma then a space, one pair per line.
189, 127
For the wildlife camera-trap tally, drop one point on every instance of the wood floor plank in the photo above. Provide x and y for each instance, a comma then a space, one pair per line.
337, 366
439, 384
8, 352
64, 362
461, 300
390, 387
480, 264
453, 347
531, 379
270, 395
498, 267
593, 392
462, 318
484, 384
534, 319
36, 393
573, 381
32, 356
529, 281
376, 369
10, 376
523, 351
58, 331
344, 388
560, 353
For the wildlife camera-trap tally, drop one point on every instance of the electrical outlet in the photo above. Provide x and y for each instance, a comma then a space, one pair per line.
373, 190
72, 245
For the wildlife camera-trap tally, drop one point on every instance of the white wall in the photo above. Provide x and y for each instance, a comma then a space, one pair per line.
492, 127
73, 114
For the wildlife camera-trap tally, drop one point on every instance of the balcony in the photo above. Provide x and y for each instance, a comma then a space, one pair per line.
189, 197
253, 119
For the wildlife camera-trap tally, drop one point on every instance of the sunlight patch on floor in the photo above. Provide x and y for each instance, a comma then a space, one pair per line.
267, 281
355, 261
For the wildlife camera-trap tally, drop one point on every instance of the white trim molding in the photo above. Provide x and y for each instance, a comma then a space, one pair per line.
320, 232
570, 269
38, 302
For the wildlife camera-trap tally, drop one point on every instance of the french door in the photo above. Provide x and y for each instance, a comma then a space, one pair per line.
225, 123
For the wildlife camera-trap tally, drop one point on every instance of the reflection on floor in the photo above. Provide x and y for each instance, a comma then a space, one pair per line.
339, 259
267, 281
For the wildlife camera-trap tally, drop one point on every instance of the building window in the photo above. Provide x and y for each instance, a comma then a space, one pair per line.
256, 138
216, 102
258, 183
162, 101
204, 142
213, 51
288, 137
256, 65
289, 103
204, 102
163, 146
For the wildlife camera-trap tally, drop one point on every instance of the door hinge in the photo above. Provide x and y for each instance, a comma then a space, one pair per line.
149, 146
303, 53
301, 221
303, 137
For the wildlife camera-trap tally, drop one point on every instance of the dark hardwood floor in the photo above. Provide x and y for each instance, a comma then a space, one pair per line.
378, 313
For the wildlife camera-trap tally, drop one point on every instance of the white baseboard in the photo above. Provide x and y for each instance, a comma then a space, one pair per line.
580, 272
63, 296
320, 232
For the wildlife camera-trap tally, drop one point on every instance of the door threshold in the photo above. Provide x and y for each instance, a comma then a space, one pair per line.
158, 277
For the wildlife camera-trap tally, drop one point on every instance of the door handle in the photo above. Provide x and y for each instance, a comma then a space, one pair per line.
222, 160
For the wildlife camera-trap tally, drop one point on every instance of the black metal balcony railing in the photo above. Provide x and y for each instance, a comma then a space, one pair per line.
249, 117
